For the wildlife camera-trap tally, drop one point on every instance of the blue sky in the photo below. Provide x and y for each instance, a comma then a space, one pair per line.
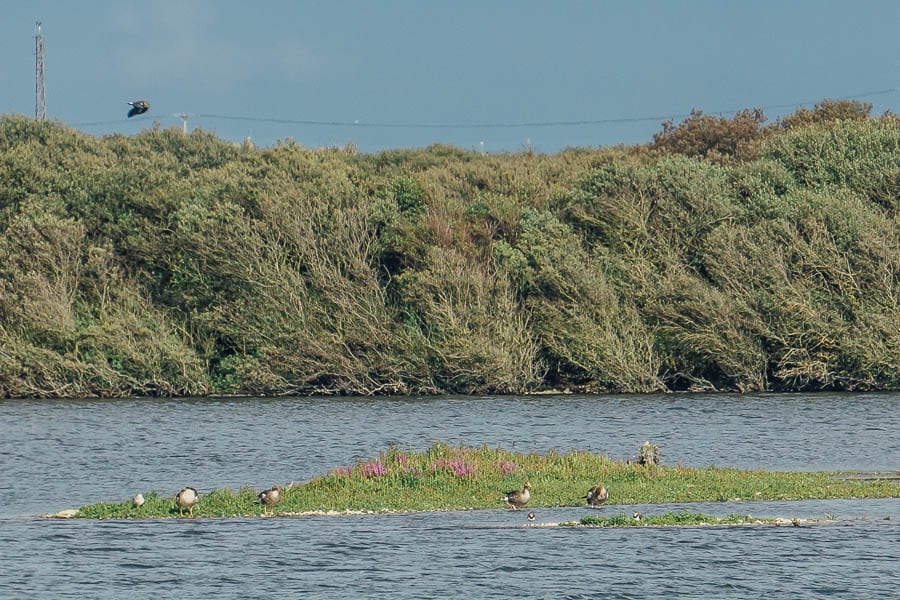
472, 73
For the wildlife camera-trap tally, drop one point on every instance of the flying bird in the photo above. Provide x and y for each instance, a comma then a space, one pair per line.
187, 498
138, 107
269, 497
518, 498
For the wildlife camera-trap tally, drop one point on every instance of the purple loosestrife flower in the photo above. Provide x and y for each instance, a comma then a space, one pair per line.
374, 469
412, 470
506, 467
461, 468
341, 471
457, 466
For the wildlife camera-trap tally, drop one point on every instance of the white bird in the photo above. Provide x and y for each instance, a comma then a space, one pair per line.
138, 500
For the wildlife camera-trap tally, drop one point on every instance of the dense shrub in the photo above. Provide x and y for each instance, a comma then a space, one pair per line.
863, 156
717, 139
724, 255
827, 111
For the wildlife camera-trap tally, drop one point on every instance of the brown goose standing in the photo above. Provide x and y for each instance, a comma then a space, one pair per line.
519, 498
597, 495
187, 498
269, 497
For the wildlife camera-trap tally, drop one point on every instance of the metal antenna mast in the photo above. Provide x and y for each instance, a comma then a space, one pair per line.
40, 91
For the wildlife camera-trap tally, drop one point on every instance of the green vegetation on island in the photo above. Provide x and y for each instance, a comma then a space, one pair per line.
460, 478
685, 518
725, 255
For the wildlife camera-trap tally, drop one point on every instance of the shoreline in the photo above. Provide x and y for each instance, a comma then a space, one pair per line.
707, 521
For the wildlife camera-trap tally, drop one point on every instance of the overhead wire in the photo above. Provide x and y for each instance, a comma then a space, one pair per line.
461, 125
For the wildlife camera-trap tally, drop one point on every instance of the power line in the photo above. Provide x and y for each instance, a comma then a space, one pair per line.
484, 125
496, 125
422, 125
99, 123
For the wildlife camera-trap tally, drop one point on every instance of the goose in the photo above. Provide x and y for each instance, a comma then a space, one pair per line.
517, 498
138, 107
597, 495
269, 497
187, 498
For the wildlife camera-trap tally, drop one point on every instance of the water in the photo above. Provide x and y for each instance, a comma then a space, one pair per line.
57, 455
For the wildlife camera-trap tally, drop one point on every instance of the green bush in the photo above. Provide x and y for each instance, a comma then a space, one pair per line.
723, 256
863, 156
716, 139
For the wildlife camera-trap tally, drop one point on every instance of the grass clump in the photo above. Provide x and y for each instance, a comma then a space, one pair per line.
684, 518
445, 477
216, 503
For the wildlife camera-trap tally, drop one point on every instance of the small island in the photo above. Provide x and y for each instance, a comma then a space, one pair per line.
445, 477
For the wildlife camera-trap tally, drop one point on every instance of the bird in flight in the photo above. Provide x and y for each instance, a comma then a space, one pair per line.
138, 107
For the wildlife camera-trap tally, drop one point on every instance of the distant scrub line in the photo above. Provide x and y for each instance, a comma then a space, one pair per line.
724, 255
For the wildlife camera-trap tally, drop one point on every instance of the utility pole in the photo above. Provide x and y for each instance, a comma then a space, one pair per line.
40, 91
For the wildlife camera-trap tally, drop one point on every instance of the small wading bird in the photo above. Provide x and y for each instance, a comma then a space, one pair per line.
597, 495
138, 107
268, 498
518, 498
187, 498
530, 516
138, 500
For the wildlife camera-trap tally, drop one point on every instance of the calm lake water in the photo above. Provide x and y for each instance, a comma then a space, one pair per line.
57, 455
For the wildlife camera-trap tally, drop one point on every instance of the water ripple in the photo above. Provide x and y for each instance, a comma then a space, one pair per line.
62, 454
